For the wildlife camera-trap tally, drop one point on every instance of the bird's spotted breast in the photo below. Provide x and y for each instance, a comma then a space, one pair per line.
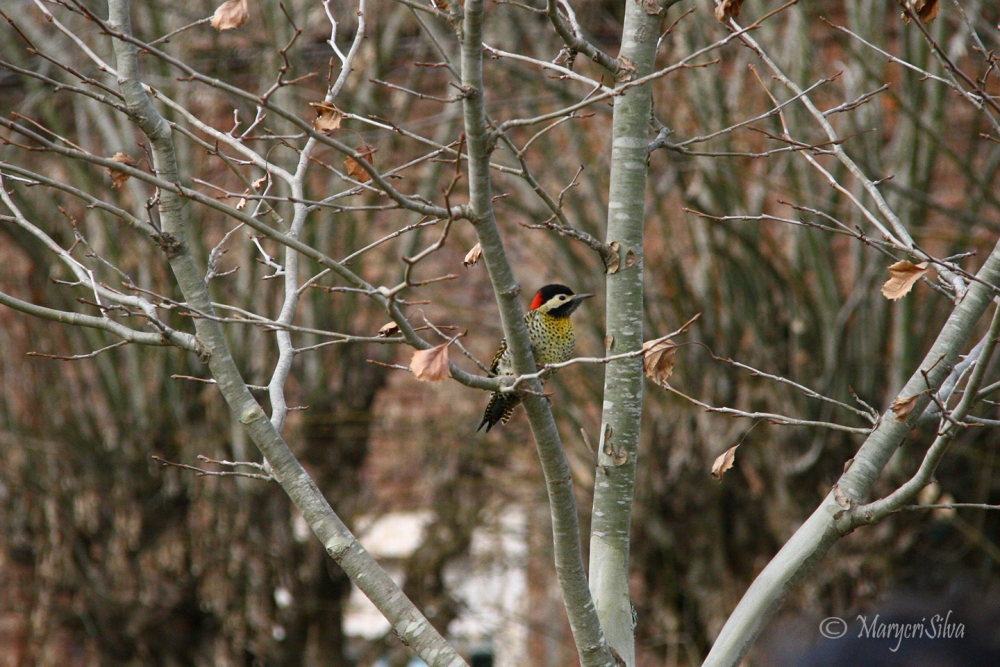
553, 338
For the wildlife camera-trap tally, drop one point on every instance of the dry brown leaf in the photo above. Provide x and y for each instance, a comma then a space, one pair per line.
388, 329
630, 259
242, 203
613, 262
230, 14
619, 456
652, 7
328, 117
903, 406
658, 360
722, 11
354, 169
904, 275
118, 178
626, 69
431, 365
926, 10
609, 342
728, 9
472, 257
724, 462
259, 182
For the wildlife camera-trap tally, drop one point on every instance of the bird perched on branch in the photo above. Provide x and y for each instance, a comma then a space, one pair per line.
552, 341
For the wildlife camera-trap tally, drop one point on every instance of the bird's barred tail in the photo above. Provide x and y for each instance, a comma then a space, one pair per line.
499, 409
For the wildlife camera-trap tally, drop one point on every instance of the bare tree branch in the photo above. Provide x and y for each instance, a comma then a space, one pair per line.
410, 624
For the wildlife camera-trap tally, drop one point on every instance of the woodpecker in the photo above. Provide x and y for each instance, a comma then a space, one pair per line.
552, 340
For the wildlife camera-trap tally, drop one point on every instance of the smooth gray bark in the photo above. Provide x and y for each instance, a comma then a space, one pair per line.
614, 485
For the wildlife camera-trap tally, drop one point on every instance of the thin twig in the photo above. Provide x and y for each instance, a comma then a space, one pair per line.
217, 473
949, 506
772, 418
177, 376
77, 357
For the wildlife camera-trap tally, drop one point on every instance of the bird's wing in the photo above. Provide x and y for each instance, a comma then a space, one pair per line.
495, 366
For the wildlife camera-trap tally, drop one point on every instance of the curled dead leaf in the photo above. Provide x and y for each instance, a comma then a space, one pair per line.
658, 360
328, 117
630, 259
242, 203
606, 439
354, 168
724, 462
652, 7
613, 261
619, 456
626, 69
124, 158
728, 9
259, 182
388, 330
472, 257
609, 342
926, 10
431, 365
903, 406
118, 178
230, 14
903, 276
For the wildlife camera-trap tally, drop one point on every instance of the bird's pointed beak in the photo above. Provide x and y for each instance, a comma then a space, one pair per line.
575, 302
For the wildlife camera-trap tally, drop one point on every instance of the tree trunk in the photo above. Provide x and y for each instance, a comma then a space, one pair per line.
620, 424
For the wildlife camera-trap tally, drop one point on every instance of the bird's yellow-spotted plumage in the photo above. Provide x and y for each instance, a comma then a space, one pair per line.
552, 341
